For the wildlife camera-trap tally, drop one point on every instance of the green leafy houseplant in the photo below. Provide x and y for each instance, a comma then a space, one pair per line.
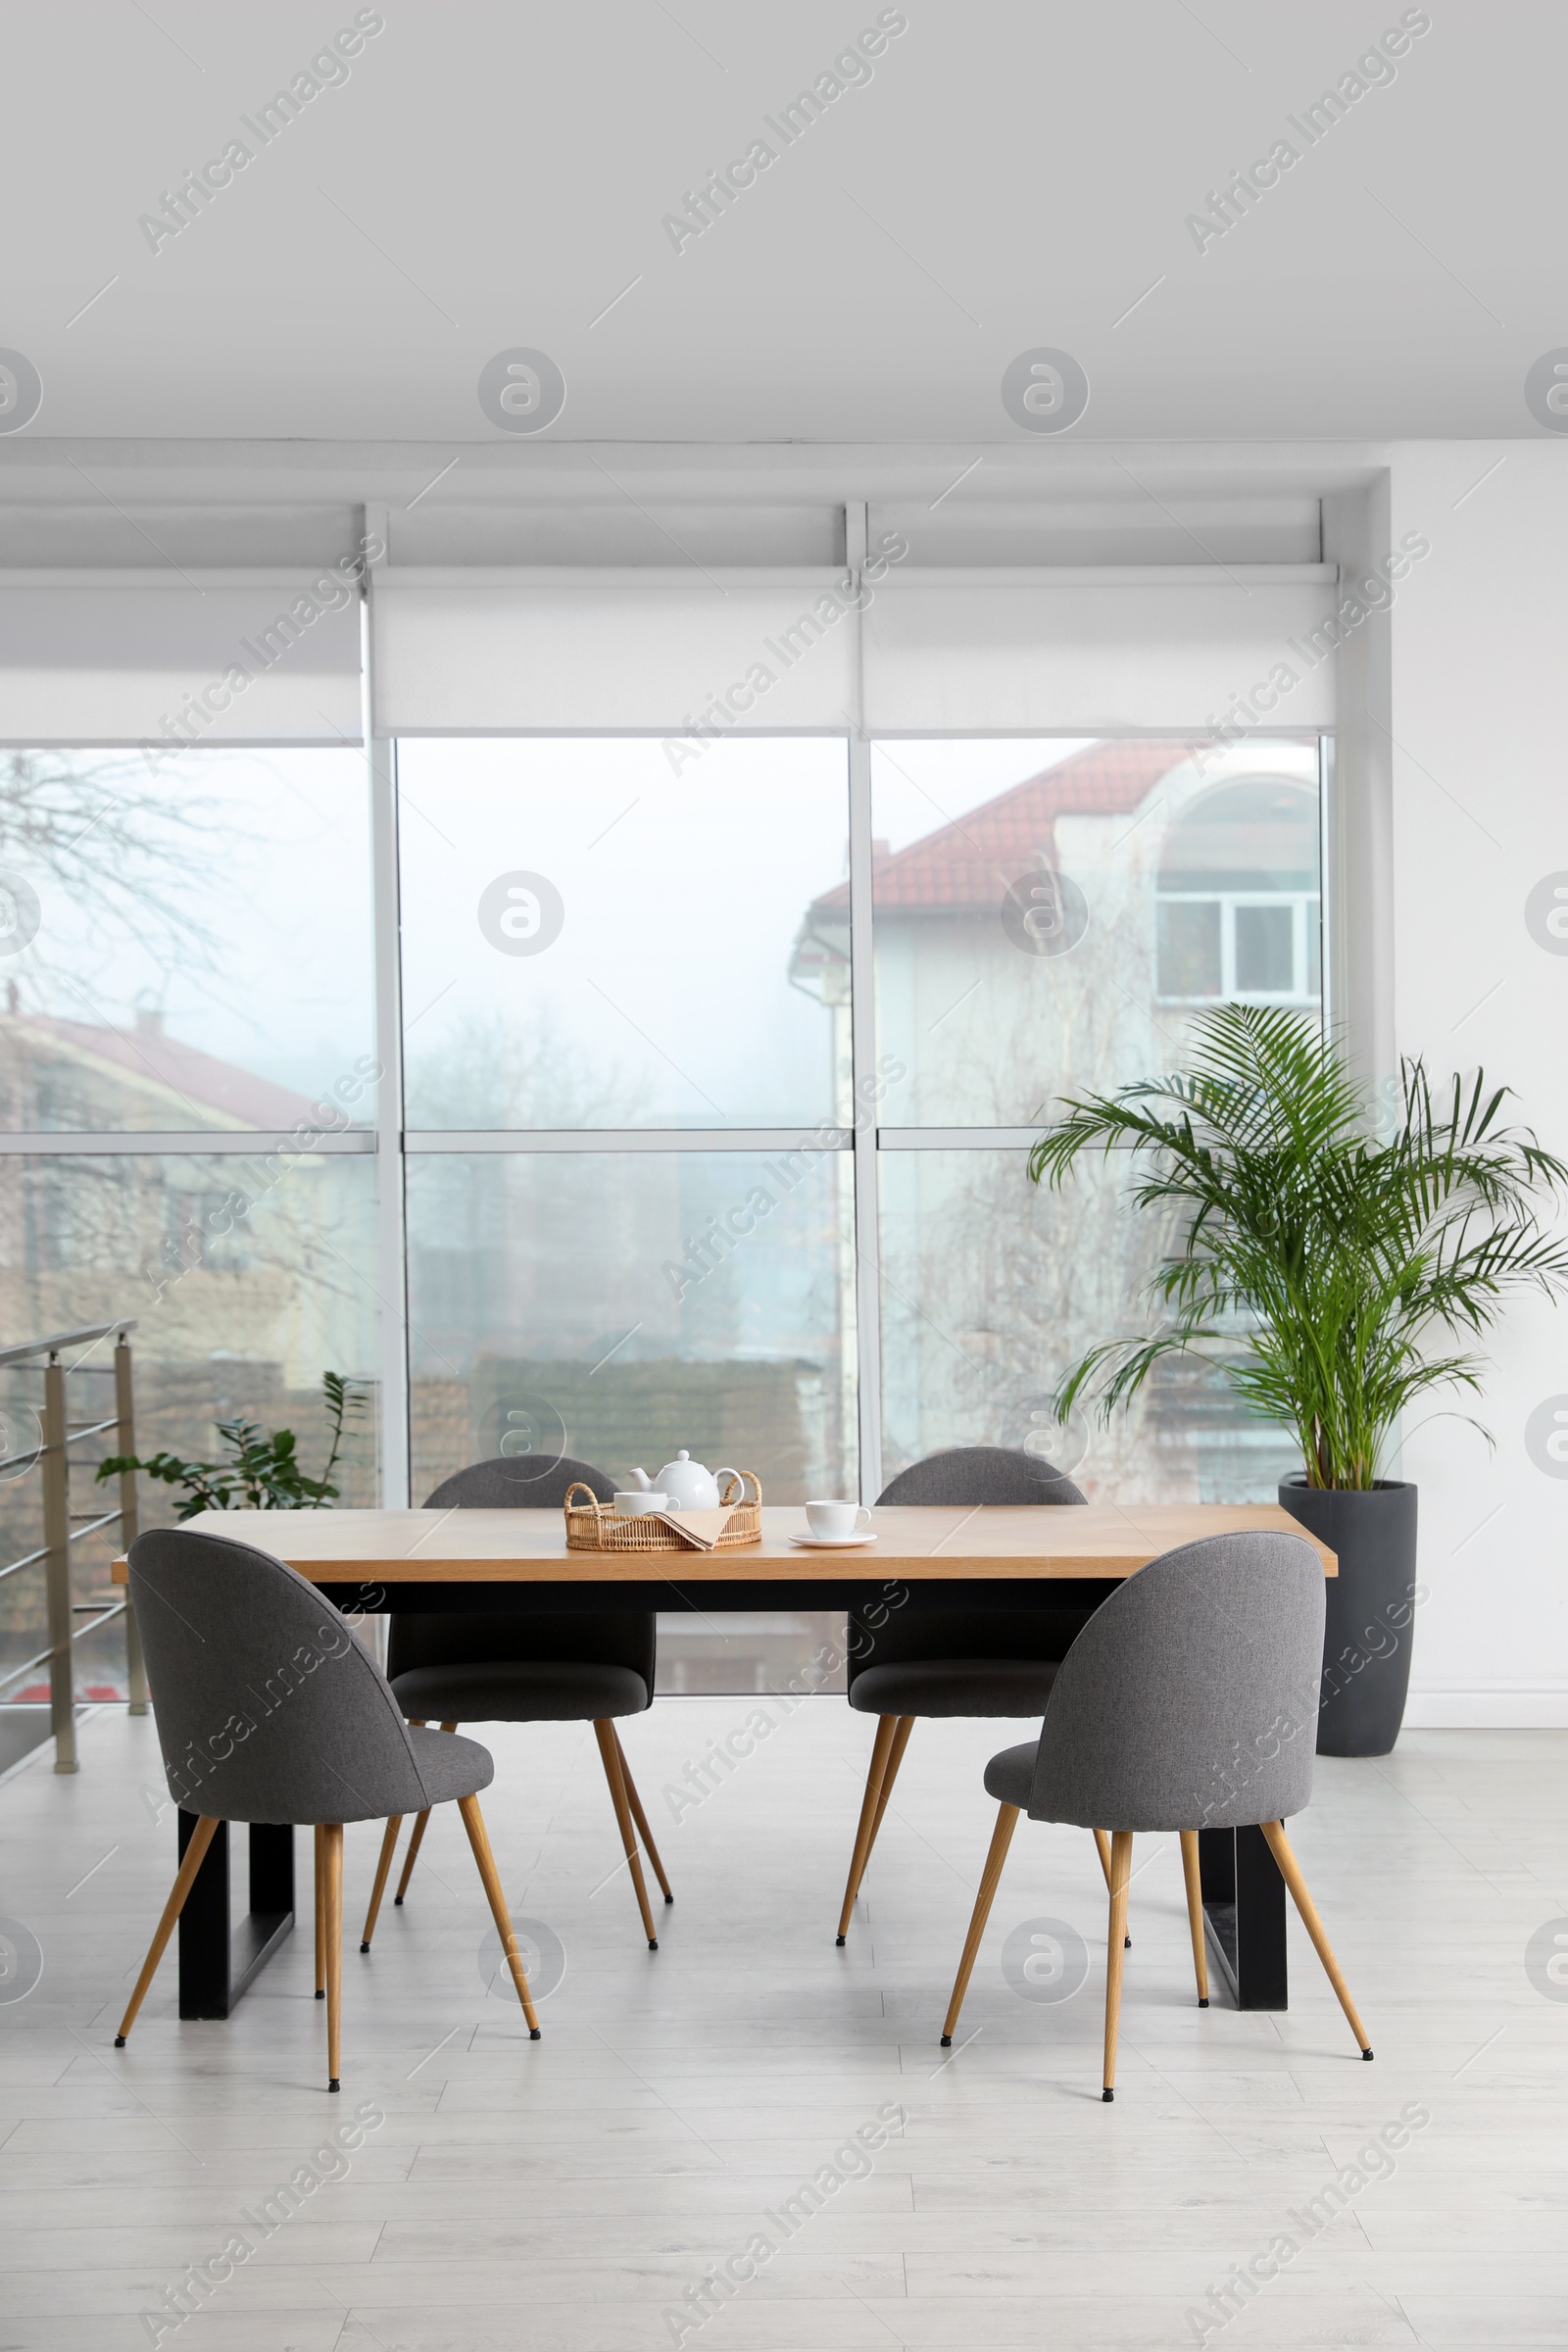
260, 1473
1332, 1274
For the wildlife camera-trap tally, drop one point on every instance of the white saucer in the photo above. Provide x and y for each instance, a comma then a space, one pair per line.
834, 1542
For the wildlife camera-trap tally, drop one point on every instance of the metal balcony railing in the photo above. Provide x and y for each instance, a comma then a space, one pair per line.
62, 1528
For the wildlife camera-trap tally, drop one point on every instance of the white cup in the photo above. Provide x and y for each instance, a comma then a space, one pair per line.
837, 1520
639, 1503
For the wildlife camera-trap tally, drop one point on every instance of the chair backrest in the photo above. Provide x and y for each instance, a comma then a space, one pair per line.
970, 1474
1190, 1700
965, 1475
529, 1482
268, 1708
462, 1637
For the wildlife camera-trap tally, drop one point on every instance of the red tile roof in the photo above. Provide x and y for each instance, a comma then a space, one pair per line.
162, 1063
963, 864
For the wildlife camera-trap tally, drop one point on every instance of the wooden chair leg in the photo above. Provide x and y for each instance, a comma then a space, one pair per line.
422, 1822
641, 1818
901, 1740
201, 1837
1121, 1863
886, 1726
1102, 1849
333, 1864
1291, 1872
478, 1839
388, 1849
1195, 1913
320, 1917
990, 1880
610, 1751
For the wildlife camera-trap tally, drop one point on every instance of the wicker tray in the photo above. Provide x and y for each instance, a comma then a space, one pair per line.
595, 1526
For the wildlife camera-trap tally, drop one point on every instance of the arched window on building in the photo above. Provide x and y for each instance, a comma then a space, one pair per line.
1238, 908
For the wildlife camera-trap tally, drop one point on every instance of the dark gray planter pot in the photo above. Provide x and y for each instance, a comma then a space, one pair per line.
1371, 1609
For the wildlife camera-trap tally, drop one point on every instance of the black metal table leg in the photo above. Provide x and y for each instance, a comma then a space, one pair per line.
217, 1962
204, 1958
1243, 1911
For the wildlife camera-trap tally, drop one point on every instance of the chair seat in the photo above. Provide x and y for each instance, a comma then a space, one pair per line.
449, 1766
955, 1687
531, 1691
1010, 1775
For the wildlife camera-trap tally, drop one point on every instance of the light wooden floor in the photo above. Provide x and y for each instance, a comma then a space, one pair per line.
564, 2196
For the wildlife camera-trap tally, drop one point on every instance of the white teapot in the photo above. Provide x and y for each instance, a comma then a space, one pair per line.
688, 1487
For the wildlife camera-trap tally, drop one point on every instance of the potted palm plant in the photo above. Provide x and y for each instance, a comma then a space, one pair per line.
1334, 1274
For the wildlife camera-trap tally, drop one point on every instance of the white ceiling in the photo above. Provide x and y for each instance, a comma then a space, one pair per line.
1013, 176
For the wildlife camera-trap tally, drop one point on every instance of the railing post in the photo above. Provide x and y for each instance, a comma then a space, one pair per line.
56, 1467
130, 1522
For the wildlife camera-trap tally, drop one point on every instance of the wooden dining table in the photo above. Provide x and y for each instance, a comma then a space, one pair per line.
1002, 1557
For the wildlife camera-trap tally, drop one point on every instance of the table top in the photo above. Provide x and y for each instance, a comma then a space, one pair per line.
915, 1542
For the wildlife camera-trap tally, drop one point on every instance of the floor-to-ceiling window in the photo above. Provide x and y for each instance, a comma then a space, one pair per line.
643, 1119
1047, 915
629, 1214
187, 1070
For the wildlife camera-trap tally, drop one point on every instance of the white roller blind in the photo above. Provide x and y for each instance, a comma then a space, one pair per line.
275, 655
568, 650
101, 659
1087, 651
1097, 650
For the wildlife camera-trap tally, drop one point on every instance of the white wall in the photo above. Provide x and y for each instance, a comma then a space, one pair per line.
1480, 814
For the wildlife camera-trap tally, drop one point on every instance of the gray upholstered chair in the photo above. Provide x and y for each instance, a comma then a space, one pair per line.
462, 1666
954, 1661
1188, 1702
268, 1709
